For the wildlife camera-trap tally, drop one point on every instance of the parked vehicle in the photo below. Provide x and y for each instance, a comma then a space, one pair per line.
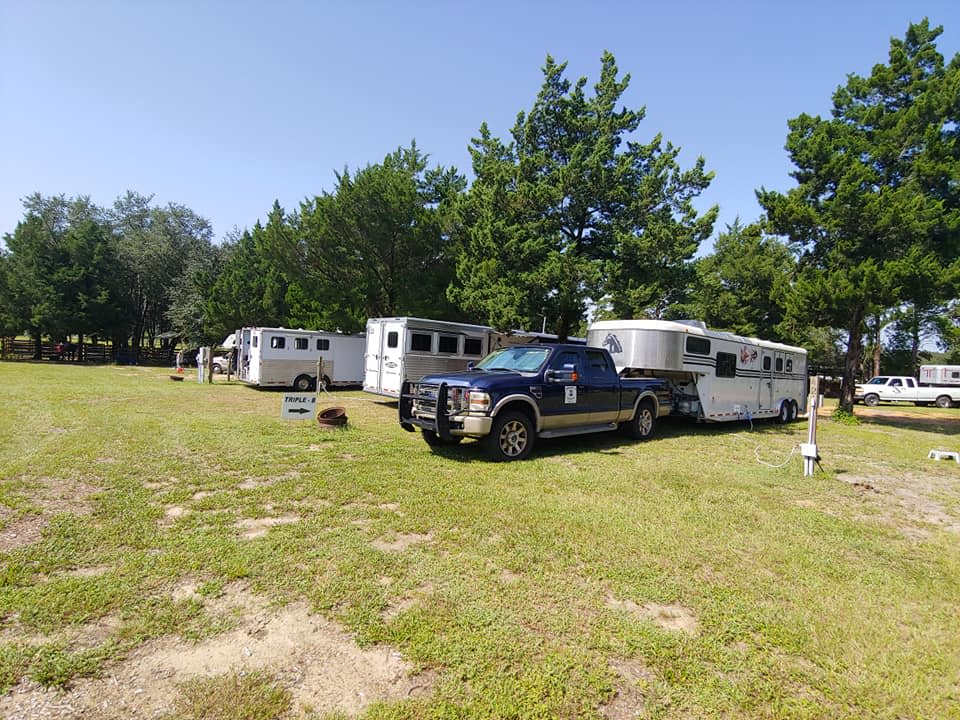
939, 375
284, 357
407, 348
899, 388
522, 392
713, 376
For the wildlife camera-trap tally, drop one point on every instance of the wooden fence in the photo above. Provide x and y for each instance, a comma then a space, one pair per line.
96, 353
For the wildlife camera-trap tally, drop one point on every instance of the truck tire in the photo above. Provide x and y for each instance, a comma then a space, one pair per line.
872, 399
644, 421
217, 369
434, 440
944, 401
510, 438
303, 383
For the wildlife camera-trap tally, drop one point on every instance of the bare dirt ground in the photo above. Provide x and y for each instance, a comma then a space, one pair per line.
316, 661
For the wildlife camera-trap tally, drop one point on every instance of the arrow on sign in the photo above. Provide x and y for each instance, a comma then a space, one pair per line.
299, 411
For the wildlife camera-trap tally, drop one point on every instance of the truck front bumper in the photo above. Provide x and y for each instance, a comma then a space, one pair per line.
443, 424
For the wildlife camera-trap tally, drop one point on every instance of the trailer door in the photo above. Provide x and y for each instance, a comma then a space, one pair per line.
765, 398
372, 357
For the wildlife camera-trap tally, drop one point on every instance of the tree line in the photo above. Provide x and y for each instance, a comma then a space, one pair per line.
571, 215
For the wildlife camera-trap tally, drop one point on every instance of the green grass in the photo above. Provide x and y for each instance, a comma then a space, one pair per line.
832, 596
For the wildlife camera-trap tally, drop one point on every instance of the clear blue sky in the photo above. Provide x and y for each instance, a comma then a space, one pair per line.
226, 106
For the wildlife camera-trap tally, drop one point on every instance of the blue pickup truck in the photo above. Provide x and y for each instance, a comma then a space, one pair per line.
521, 392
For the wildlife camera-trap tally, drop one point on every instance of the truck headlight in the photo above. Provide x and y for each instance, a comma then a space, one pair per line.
478, 401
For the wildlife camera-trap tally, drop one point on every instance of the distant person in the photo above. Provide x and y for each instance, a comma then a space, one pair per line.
179, 359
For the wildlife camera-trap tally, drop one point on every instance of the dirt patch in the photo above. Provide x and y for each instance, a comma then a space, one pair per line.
673, 617
258, 527
392, 507
321, 665
56, 496
89, 572
401, 542
25, 531
629, 700
408, 602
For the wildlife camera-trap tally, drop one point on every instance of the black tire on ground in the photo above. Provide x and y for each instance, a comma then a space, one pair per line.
434, 440
644, 421
920, 403
217, 369
871, 400
784, 414
303, 383
794, 411
944, 401
510, 438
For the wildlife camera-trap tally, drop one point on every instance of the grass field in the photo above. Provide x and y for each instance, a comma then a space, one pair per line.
177, 549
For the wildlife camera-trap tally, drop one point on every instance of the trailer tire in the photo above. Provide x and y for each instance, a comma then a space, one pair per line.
303, 383
433, 440
783, 416
325, 383
871, 400
644, 421
944, 401
794, 411
510, 438
217, 369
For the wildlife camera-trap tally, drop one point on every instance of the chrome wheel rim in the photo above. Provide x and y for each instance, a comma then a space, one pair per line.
513, 438
645, 423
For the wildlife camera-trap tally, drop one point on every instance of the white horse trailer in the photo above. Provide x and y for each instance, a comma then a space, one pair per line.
715, 376
407, 348
939, 375
283, 357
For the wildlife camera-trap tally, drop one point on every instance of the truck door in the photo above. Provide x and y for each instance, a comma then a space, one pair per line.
602, 388
564, 403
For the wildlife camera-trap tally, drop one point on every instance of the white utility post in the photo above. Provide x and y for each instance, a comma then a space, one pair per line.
809, 449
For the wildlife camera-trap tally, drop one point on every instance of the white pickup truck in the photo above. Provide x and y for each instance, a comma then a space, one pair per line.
898, 388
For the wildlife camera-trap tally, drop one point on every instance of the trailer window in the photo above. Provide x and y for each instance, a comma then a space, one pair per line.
278, 343
789, 365
392, 339
779, 364
726, 365
955, 375
301, 344
447, 344
420, 342
698, 345
766, 362
472, 346
323, 344
256, 340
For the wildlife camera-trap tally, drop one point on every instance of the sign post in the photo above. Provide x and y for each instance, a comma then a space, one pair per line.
809, 449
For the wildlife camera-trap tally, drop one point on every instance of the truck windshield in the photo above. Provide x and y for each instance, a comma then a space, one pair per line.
517, 359
877, 381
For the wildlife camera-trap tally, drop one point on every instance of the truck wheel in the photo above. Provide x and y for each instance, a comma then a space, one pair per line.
643, 423
944, 401
433, 440
217, 369
872, 400
303, 383
784, 414
510, 438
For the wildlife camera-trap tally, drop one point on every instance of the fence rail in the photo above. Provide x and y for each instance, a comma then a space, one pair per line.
95, 353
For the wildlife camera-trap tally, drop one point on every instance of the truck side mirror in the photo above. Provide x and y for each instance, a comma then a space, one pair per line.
470, 365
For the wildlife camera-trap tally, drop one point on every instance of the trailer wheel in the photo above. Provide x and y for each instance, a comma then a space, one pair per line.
794, 411
944, 401
217, 369
872, 399
433, 440
303, 383
784, 415
325, 382
644, 421
510, 438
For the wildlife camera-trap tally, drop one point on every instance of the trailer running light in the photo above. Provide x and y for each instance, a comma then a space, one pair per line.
478, 401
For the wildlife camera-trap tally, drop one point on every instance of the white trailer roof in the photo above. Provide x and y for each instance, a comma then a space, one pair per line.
692, 328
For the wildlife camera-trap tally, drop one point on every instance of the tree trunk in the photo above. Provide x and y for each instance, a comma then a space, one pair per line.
876, 346
854, 348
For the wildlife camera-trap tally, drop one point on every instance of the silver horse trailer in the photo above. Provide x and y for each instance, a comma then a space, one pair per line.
715, 376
